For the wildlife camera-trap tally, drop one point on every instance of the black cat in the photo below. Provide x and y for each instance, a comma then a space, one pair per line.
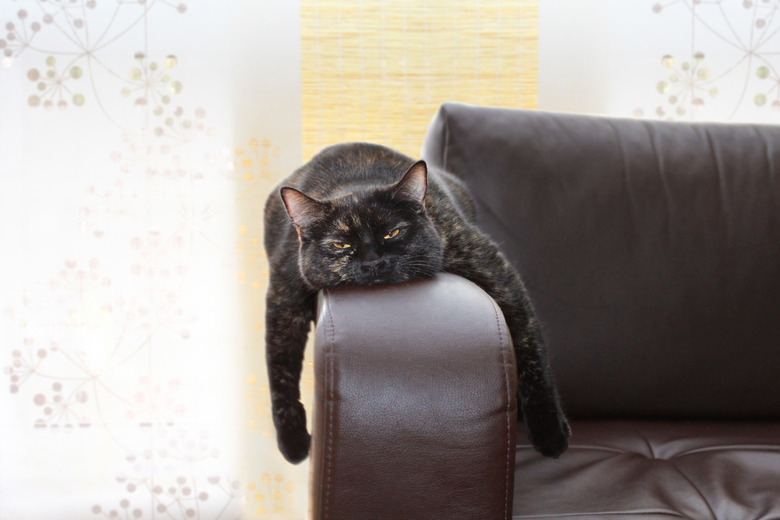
362, 214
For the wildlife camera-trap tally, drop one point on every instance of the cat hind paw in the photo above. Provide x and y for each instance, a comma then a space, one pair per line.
551, 440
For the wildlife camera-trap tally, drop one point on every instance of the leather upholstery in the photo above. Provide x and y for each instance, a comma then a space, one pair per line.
655, 470
651, 252
406, 409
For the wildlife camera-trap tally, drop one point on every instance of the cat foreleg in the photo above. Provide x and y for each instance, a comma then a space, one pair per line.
540, 407
544, 419
288, 318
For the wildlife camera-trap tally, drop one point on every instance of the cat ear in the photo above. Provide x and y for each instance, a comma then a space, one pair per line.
414, 184
303, 210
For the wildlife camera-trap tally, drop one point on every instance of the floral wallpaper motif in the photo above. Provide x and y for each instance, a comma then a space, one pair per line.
185, 493
128, 340
731, 71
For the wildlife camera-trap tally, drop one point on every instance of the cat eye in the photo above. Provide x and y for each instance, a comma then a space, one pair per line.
392, 234
341, 245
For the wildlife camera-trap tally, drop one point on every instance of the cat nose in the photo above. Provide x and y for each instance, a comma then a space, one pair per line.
373, 266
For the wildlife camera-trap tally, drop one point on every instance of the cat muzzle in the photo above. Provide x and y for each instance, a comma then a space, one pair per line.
374, 267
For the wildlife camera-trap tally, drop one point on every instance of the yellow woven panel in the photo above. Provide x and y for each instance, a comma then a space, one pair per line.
378, 70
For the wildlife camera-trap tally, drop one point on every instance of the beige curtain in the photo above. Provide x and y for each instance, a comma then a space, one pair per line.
378, 70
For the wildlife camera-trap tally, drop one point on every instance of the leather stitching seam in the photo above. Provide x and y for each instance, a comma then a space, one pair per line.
505, 364
329, 395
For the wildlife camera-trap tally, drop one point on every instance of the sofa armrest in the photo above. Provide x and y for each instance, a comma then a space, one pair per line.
415, 403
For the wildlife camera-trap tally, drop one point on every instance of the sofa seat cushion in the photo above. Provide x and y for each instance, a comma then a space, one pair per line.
654, 469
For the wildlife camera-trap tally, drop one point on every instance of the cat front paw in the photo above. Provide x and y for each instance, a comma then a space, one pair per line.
549, 435
291, 435
294, 445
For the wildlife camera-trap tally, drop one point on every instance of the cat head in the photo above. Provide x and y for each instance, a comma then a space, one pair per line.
372, 236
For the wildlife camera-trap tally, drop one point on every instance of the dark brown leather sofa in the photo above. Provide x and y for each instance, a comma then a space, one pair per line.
651, 252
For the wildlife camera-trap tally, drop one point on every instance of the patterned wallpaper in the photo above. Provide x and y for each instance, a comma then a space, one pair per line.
731, 68
683, 60
133, 172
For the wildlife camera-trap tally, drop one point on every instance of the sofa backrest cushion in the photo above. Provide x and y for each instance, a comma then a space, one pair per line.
650, 250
